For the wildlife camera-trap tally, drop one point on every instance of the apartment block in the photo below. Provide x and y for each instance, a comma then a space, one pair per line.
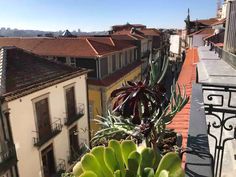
44, 115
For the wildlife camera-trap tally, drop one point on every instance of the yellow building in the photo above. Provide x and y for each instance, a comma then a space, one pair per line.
99, 92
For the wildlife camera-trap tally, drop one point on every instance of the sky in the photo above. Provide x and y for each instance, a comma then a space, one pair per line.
99, 15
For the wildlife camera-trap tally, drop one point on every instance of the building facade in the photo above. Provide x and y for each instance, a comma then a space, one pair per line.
47, 109
111, 61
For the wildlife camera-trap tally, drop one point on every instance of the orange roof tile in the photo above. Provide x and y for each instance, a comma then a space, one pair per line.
207, 22
207, 31
88, 47
150, 32
187, 77
219, 22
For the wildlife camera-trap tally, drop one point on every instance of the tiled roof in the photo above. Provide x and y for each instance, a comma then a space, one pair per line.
187, 77
219, 22
128, 32
150, 32
122, 37
26, 72
207, 22
89, 47
115, 76
135, 25
206, 31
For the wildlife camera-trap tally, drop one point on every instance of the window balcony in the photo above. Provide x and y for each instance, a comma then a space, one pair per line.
7, 156
74, 157
41, 138
72, 119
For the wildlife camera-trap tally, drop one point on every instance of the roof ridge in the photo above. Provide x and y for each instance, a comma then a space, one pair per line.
87, 40
112, 41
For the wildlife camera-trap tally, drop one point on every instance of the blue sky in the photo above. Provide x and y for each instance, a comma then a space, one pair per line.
96, 15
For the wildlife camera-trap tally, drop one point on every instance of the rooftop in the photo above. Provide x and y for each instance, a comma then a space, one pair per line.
87, 47
26, 72
205, 31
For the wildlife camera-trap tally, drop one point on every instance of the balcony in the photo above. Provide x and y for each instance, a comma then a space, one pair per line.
61, 168
145, 54
40, 139
80, 113
211, 131
7, 156
74, 157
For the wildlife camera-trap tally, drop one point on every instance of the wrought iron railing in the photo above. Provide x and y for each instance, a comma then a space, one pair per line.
77, 153
61, 168
7, 154
80, 113
40, 139
220, 111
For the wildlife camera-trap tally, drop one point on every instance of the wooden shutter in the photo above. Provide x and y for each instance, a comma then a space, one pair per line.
70, 100
43, 117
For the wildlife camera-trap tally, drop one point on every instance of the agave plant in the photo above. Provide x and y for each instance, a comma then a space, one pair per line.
126, 160
143, 110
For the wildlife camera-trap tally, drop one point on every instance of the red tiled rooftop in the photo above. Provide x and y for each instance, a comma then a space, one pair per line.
87, 47
187, 77
207, 22
207, 31
219, 22
151, 32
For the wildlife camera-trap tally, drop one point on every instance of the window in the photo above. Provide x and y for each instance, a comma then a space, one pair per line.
131, 56
70, 102
43, 117
48, 161
104, 67
113, 63
74, 142
61, 59
126, 58
73, 62
120, 60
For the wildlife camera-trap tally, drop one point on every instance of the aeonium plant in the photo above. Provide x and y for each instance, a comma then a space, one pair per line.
141, 110
125, 159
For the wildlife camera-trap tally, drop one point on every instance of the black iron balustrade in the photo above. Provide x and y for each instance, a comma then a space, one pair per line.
7, 155
220, 111
55, 129
78, 153
80, 113
61, 168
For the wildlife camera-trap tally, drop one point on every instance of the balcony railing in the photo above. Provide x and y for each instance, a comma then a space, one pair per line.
61, 168
7, 155
80, 113
212, 117
56, 128
74, 157
145, 54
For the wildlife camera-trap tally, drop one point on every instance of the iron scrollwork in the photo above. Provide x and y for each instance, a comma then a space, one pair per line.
220, 111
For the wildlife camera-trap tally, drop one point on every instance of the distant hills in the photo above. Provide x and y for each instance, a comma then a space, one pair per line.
8, 32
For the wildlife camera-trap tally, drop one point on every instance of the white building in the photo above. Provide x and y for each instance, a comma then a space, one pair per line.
175, 44
44, 113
